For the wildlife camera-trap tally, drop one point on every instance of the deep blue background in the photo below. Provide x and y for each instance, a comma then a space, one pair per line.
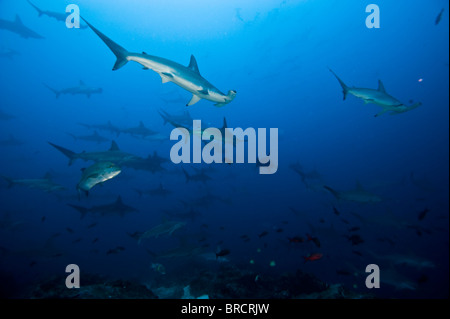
276, 56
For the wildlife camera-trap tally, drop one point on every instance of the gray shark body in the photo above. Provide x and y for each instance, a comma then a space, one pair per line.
58, 16
11, 141
6, 116
358, 195
184, 119
379, 97
114, 155
95, 137
150, 164
188, 78
81, 89
8, 53
19, 28
44, 184
115, 208
95, 174
166, 228
104, 127
140, 130
159, 191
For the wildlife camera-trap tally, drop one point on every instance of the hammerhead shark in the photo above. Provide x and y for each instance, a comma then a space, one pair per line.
379, 97
18, 27
81, 89
58, 16
188, 78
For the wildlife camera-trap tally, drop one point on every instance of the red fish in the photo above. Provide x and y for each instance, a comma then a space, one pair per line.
313, 257
296, 239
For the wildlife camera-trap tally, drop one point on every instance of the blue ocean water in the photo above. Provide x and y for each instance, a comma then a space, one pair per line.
276, 55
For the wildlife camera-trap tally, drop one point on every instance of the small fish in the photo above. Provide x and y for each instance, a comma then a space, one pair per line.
345, 221
116, 250
92, 225
355, 239
439, 17
356, 228
313, 257
222, 253
95, 240
76, 240
357, 252
264, 233
343, 272
279, 230
335, 211
43, 219
70, 230
422, 214
315, 240
296, 239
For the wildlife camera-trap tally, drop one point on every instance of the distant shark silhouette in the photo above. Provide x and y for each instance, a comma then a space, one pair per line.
18, 27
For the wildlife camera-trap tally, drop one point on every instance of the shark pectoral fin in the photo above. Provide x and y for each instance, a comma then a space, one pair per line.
145, 68
204, 91
166, 77
381, 113
220, 104
195, 99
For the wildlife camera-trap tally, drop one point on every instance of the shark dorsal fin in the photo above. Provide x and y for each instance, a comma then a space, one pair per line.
119, 200
224, 123
95, 133
381, 87
359, 186
114, 146
193, 65
160, 186
17, 20
82, 83
141, 124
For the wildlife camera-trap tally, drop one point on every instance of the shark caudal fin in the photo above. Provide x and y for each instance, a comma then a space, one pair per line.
40, 12
71, 155
120, 53
344, 87
9, 181
57, 93
83, 210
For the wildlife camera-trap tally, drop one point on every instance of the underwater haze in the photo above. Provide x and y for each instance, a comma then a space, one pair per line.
360, 171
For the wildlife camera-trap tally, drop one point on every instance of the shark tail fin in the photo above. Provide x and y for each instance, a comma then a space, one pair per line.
40, 12
71, 155
120, 52
332, 191
9, 181
83, 210
56, 92
344, 87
